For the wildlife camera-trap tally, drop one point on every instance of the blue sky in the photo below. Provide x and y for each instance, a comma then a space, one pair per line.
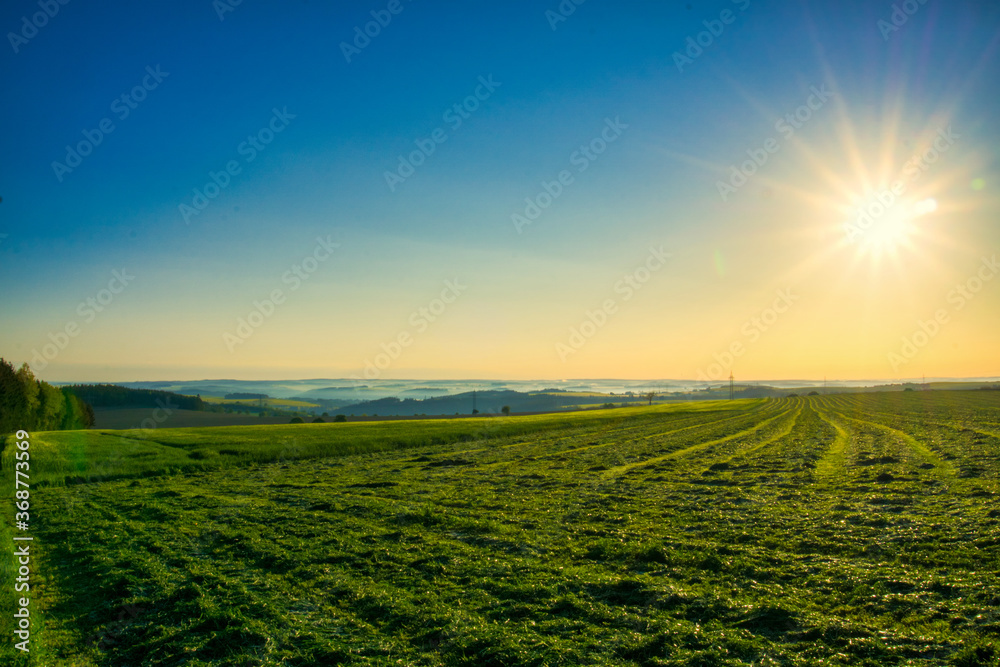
324, 174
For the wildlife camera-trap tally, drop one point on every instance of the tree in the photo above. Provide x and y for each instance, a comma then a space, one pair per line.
31, 389
78, 414
340, 418
12, 401
649, 396
505, 410
319, 420
295, 420
109, 395
88, 415
51, 408
29, 403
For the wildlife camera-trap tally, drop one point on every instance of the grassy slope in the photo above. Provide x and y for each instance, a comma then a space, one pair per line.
125, 418
840, 530
268, 402
82, 456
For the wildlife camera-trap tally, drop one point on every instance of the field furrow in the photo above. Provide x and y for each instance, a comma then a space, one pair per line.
968, 450
897, 449
747, 437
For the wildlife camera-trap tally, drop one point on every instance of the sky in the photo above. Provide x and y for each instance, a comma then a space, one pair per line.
517, 190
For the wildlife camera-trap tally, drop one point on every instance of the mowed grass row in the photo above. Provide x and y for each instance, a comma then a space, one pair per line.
61, 457
965, 445
623, 445
766, 537
952, 407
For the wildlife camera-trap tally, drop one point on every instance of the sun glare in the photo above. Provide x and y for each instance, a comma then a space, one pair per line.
925, 206
879, 228
888, 233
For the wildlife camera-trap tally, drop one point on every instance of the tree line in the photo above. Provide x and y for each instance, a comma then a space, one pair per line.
111, 395
30, 404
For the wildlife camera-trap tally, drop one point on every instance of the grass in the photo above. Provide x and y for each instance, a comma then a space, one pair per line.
267, 402
125, 418
63, 457
585, 394
834, 530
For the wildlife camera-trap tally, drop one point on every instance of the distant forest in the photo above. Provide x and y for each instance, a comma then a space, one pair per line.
110, 395
30, 404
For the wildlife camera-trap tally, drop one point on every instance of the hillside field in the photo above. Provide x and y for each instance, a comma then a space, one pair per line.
826, 530
264, 402
126, 418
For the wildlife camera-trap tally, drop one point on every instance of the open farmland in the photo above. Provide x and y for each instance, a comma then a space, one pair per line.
263, 402
828, 530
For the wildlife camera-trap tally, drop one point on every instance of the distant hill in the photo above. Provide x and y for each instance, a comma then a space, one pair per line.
337, 392
486, 402
551, 400
115, 396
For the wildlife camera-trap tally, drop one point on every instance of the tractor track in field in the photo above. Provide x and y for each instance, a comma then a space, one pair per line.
582, 489
180, 447
923, 420
832, 462
618, 442
961, 428
971, 459
954, 427
647, 437
618, 471
919, 419
750, 451
593, 432
597, 430
942, 468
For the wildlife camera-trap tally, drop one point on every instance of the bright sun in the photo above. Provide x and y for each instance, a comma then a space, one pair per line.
885, 224
874, 193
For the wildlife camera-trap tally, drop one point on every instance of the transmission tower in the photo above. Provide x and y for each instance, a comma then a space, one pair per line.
730, 385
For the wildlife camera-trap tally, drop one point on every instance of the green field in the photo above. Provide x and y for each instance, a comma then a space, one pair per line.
264, 402
832, 530
126, 418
